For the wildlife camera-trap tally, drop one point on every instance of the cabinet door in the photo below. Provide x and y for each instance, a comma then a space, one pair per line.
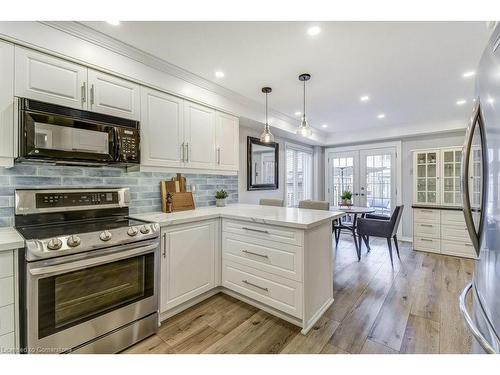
6, 104
199, 136
161, 129
49, 79
451, 192
426, 176
227, 141
188, 262
113, 96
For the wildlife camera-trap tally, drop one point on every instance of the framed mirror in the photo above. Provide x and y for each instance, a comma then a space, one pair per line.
262, 164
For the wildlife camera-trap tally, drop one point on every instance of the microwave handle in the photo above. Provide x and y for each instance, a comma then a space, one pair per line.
116, 145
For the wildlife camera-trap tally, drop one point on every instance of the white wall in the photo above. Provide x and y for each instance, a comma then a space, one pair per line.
253, 129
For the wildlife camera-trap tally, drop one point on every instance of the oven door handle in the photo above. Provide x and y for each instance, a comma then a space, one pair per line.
96, 261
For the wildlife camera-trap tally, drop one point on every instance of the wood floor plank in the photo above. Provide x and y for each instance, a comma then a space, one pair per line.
277, 336
315, 340
151, 345
427, 302
421, 336
231, 317
332, 349
198, 341
372, 347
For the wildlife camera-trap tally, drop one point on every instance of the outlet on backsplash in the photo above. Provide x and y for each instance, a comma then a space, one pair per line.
144, 186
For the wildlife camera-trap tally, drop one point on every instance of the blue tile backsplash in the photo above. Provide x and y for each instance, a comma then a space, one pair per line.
144, 186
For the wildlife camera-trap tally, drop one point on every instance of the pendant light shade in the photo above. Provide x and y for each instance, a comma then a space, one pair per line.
304, 129
266, 136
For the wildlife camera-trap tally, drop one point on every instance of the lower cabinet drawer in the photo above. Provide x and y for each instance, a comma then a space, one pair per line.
6, 263
6, 319
432, 245
426, 214
274, 257
450, 217
264, 231
455, 233
6, 291
7, 343
282, 294
431, 230
461, 249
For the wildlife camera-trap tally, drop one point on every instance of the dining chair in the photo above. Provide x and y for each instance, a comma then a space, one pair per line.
272, 202
380, 226
314, 205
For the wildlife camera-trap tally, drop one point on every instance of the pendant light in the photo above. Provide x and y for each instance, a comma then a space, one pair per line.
266, 136
304, 128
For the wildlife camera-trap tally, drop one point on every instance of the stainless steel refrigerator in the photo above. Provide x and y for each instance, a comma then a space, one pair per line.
481, 199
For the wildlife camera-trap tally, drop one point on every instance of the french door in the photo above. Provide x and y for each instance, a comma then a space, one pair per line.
369, 174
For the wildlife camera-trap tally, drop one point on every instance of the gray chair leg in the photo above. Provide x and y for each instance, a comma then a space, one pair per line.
358, 246
367, 243
389, 245
396, 243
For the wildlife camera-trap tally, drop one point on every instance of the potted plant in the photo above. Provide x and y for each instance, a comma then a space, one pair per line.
220, 198
346, 198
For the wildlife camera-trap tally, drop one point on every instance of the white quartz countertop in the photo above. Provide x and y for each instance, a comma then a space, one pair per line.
10, 239
283, 216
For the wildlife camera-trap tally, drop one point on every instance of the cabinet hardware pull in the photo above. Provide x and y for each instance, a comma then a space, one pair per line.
164, 245
218, 155
92, 94
468, 244
426, 225
84, 92
183, 152
256, 230
259, 255
426, 211
255, 285
425, 239
187, 152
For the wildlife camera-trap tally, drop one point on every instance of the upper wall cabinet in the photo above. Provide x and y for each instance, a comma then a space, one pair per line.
113, 96
199, 136
6, 104
162, 129
49, 79
227, 141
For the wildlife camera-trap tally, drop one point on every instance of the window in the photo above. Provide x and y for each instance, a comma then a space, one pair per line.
298, 175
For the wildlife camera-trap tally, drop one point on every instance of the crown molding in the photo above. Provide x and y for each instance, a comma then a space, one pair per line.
95, 37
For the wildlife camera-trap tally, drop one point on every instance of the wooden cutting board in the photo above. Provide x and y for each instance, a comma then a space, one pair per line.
181, 201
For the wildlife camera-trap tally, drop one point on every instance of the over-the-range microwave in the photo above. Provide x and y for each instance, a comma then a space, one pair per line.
62, 135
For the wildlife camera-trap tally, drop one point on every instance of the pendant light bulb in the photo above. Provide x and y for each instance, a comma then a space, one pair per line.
304, 129
266, 136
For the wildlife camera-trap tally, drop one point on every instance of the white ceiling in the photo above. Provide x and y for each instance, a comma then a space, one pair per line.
412, 71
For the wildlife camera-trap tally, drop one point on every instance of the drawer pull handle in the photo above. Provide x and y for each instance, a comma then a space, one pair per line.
427, 211
256, 230
426, 225
259, 255
468, 244
425, 239
255, 285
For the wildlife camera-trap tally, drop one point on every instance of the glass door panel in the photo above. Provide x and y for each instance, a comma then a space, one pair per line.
427, 182
343, 177
451, 177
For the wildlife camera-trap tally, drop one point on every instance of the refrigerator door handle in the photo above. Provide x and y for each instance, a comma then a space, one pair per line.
470, 323
469, 220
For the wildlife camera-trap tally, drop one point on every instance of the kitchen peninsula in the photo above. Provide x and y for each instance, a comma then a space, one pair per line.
275, 258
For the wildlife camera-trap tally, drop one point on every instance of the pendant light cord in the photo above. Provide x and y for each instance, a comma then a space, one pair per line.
304, 99
266, 108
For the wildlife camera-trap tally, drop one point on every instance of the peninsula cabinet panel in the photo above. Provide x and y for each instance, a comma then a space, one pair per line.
6, 104
162, 129
49, 79
113, 96
189, 254
227, 139
199, 136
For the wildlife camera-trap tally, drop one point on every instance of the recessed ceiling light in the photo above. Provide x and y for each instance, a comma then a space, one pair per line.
219, 74
461, 102
324, 126
298, 113
469, 74
114, 23
382, 115
313, 30
490, 100
364, 98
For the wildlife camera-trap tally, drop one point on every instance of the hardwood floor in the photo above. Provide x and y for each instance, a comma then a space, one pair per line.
411, 308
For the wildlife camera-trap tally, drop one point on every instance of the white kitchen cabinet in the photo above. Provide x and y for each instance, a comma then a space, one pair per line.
8, 302
162, 129
451, 169
49, 79
199, 136
6, 104
189, 255
113, 96
227, 141
426, 177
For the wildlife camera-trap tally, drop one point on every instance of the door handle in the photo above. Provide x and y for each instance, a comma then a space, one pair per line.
183, 152
470, 323
92, 94
164, 252
187, 152
84, 92
218, 155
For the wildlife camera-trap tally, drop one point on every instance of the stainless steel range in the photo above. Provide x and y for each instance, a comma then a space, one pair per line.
88, 274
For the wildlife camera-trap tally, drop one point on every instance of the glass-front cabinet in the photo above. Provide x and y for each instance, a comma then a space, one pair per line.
426, 173
451, 166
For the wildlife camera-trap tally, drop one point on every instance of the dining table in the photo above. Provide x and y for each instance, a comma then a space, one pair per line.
354, 212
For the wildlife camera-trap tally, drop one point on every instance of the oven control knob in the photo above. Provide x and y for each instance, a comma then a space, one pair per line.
54, 244
106, 235
144, 229
132, 231
73, 241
